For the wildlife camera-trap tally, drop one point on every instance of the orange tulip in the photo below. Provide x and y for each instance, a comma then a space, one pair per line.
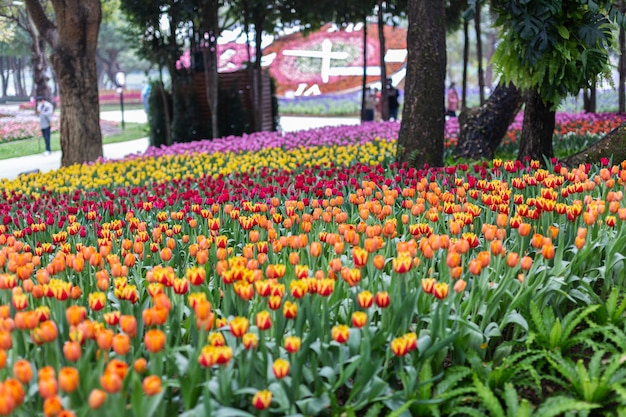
110, 382
140, 365
72, 351
52, 406
151, 385
75, 314
48, 387
154, 340
526, 263
459, 286
68, 379
548, 250
7, 403
128, 324
121, 344
15, 389
96, 399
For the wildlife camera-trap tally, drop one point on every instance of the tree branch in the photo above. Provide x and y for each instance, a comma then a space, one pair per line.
45, 26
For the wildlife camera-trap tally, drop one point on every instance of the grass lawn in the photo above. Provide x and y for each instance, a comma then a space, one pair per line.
35, 145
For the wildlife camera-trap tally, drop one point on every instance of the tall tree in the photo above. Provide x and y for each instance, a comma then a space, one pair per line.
420, 140
73, 37
550, 49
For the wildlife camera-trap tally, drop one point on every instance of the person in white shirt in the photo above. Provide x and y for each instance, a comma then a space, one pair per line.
45, 109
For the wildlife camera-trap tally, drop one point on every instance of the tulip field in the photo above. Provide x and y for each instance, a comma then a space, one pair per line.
308, 274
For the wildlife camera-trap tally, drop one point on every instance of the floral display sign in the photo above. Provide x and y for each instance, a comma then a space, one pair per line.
327, 61
331, 59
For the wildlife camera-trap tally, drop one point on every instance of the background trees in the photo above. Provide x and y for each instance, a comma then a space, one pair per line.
547, 50
550, 49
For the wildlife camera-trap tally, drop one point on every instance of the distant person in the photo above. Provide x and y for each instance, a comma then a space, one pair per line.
379, 105
145, 96
45, 109
452, 101
393, 95
370, 105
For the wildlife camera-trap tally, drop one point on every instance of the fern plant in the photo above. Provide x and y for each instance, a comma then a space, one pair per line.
599, 382
552, 333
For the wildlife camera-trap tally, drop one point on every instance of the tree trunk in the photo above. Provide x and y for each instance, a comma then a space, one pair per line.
537, 129
479, 55
258, 78
622, 64
611, 146
74, 38
384, 94
420, 140
465, 63
589, 98
39, 63
491, 48
483, 128
364, 83
250, 66
4, 74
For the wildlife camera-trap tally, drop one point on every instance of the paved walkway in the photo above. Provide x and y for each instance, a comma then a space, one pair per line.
11, 168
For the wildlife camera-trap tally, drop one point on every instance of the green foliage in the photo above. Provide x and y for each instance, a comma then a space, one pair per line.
595, 382
554, 47
550, 332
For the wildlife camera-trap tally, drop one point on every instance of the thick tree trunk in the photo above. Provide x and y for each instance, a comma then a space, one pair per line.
420, 140
483, 128
611, 146
384, 92
74, 38
537, 129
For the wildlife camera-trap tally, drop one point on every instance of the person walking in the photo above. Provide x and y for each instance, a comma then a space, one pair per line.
45, 109
370, 105
452, 101
394, 100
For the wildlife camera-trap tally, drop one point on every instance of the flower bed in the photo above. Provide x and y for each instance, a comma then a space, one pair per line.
309, 273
